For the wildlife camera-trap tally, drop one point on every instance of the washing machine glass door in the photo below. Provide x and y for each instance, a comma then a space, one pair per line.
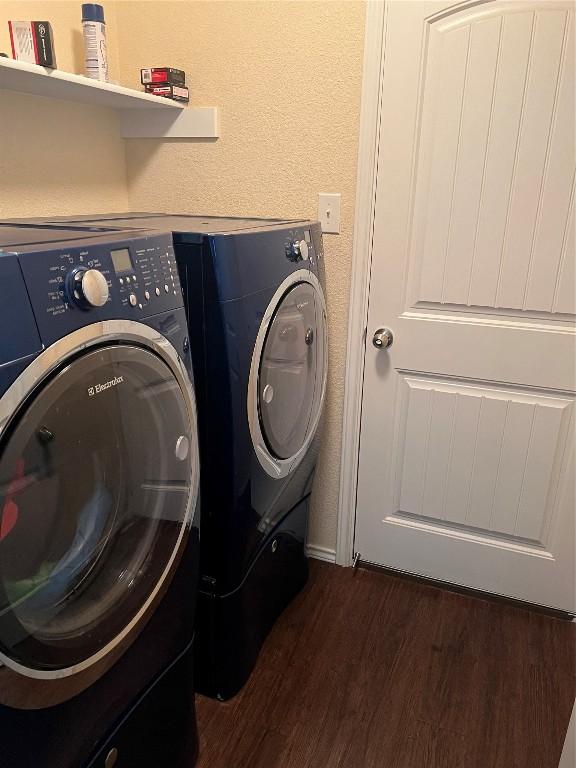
291, 377
96, 476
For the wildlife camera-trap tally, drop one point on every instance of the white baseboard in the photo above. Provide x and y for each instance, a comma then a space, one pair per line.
321, 553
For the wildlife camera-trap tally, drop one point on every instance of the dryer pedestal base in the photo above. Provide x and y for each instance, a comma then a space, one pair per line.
231, 629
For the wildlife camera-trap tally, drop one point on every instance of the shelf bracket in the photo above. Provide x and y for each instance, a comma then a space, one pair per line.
188, 123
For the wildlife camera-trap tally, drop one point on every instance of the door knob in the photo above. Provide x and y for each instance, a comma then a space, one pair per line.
383, 338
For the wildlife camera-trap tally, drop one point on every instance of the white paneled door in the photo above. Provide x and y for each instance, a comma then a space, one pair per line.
466, 470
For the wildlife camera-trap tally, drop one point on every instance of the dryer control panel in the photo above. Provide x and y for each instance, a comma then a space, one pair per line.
102, 278
298, 245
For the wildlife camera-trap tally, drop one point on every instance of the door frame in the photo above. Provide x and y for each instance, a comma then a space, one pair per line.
368, 144
362, 252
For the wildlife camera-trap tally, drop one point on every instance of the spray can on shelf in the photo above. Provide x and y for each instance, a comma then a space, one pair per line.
95, 54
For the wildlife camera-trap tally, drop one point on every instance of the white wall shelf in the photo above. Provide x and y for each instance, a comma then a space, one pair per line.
141, 114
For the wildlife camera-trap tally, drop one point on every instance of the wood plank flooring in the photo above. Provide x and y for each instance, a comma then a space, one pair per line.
369, 670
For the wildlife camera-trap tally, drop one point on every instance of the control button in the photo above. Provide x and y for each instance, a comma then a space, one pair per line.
140, 306
133, 278
304, 250
294, 250
121, 281
147, 295
157, 291
133, 300
166, 288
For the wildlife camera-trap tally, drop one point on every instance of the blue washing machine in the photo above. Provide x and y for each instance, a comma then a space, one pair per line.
99, 488
254, 294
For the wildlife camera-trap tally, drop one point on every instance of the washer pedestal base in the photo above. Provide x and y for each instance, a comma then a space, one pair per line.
231, 629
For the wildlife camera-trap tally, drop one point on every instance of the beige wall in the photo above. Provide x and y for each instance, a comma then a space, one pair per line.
57, 157
287, 78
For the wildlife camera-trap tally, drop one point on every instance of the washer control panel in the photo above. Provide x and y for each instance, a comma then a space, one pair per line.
104, 278
147, 276
298, 246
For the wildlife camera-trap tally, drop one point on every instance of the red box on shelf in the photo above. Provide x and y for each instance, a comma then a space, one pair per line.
162, 76
174, 92
32, 42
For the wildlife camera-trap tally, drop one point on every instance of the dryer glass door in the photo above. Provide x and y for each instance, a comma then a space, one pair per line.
95, 497
291, 371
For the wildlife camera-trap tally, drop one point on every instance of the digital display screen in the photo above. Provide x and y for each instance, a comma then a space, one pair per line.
121, 260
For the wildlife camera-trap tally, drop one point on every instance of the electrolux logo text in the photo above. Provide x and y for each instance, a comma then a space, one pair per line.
101, 387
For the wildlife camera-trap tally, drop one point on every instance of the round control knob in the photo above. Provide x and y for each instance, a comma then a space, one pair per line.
89, 286
294, 250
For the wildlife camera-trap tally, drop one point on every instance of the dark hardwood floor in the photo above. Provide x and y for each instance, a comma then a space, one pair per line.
369, 670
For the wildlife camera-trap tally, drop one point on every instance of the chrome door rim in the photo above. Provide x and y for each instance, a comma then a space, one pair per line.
100, 334
273, 466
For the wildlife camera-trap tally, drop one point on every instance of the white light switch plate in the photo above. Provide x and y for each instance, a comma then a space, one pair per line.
329, 211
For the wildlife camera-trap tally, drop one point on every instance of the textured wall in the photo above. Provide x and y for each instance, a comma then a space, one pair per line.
58, 157
287, 78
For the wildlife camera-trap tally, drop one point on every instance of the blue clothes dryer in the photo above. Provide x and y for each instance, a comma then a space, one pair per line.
99, 488
254, 296
263, 358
